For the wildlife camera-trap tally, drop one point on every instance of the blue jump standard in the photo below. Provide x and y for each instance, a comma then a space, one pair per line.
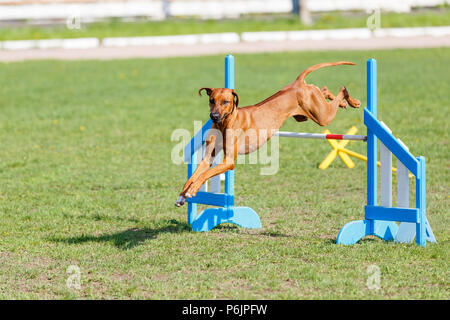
380, 221
226, 213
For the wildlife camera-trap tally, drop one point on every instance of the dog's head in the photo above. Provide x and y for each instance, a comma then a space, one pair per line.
222, 102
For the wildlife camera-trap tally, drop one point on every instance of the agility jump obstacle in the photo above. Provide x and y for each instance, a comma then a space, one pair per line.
380, 220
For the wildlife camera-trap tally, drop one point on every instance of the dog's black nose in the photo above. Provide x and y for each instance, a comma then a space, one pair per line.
214, 116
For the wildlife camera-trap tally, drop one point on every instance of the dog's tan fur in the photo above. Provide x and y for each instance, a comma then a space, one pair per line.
298, 99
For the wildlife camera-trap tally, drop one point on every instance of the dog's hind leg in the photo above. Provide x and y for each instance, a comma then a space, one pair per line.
330, 96
316, 107
351, 101
354, 103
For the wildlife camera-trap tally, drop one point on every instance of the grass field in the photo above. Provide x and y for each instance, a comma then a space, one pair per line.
333, 20
86, 180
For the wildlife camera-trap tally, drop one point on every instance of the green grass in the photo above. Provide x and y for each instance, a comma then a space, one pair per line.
86, 179
117, 28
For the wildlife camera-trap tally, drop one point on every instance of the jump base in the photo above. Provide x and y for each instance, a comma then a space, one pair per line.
241, 216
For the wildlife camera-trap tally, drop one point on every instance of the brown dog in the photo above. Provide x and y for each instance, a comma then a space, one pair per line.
246, 129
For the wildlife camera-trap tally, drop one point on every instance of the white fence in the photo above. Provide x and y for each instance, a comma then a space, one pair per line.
159, 9
388, 5
231, 37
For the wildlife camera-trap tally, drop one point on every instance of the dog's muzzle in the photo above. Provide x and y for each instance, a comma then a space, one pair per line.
215, 116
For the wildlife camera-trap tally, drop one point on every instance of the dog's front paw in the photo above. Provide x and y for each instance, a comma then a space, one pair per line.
192, 190
181, 201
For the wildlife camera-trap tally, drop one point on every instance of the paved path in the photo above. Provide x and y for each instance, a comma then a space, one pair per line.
106, 53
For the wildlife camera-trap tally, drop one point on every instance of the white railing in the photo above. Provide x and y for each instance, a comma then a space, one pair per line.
158, 9
407, 230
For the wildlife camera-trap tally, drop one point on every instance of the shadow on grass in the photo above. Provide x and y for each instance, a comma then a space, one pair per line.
232, 228
129, 238
367, 239
275, 234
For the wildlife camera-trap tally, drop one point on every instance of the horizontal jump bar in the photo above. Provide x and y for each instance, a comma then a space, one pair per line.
325, 136
213, 199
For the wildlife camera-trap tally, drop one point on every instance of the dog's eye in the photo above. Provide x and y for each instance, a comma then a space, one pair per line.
211, 101
226, 102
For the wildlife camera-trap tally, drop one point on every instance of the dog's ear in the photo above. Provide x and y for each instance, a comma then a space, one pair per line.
236, 98
208, 91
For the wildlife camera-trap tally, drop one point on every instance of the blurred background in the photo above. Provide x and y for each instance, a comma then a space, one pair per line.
227, 20
54, 11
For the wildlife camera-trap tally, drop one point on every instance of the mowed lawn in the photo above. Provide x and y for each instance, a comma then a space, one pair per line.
86, 180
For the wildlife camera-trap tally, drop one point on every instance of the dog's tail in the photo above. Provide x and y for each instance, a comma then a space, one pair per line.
301, 78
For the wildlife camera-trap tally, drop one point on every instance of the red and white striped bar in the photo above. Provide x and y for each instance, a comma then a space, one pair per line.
304, 135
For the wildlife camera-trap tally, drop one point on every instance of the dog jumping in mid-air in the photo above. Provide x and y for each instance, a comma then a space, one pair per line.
298, 99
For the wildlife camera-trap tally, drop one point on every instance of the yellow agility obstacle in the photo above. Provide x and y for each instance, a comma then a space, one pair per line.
340, 150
